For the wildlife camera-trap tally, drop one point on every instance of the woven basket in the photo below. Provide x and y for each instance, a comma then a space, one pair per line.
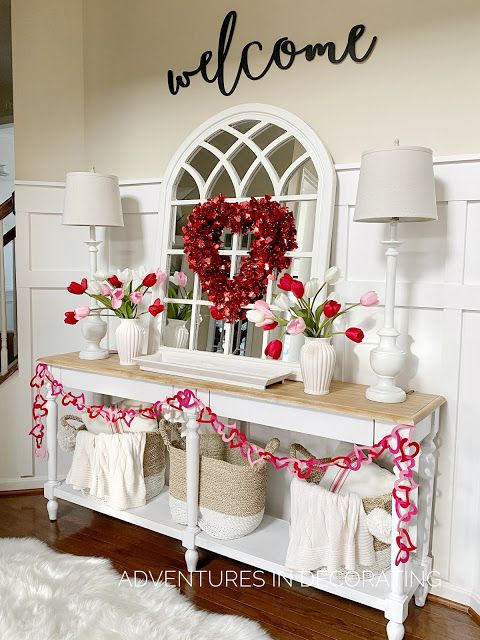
383, 501
153, 455
231, 493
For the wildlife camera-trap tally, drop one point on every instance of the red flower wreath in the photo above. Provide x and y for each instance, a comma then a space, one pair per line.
273, 228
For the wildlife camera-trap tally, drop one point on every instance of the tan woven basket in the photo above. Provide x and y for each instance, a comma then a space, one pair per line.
369, 504
153, 455
231, 494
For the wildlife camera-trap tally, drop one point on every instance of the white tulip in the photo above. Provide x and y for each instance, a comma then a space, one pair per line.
254, 315
312, 287
101, 276
283, 302
94, 288
125, 276
333, 275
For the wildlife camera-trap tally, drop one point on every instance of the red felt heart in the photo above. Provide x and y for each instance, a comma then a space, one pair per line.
273, 230
39, 409
37, 380
94, 411
76, 401
128, 415
56, 387
207, 416
187, 399
37, 431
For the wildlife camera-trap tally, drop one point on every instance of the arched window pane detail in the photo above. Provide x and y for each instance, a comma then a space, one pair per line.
222, 140
243, 159
260, 184
187, 188
241, 153
203, 161
267, 135
244, 125
223, 185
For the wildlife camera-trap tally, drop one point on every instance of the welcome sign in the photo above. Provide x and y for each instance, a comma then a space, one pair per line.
283, 56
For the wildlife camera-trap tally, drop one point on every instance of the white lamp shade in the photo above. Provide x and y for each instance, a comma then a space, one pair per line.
92, 199
396, 182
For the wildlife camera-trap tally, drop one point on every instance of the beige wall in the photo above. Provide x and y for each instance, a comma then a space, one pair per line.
419, 85
48, 87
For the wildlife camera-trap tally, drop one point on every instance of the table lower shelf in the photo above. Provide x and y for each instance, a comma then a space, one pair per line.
264, 549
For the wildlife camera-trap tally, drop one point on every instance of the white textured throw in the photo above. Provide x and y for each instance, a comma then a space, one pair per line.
327, 530
110, 467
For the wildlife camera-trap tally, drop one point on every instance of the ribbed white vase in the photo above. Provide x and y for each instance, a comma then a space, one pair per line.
317, 362
129, 338
176, 334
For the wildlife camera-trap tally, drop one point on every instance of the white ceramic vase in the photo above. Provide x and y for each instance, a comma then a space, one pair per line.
317, 362
176, 334
129, 338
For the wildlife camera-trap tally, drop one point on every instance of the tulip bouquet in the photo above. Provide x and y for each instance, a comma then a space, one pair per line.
117, 294
306, 317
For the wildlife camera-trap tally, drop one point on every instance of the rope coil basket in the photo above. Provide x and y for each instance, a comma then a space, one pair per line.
153, 455
382, 502
231, 494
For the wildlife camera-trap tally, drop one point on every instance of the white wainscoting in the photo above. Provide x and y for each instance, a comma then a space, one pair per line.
438, 316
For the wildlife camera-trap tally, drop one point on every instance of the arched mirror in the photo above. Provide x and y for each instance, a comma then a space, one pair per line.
251, 150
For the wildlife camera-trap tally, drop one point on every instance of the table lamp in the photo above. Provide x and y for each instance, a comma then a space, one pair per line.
92, 200
396, 184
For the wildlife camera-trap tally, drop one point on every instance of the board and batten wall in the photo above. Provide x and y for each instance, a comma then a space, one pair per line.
438, 315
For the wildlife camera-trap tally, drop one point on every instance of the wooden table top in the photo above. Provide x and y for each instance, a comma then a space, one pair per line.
344, 398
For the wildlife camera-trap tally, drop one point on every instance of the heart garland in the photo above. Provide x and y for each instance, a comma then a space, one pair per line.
273, 228
399, 444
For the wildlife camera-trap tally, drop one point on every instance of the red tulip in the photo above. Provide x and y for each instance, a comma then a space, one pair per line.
149, 280
285, 282
216, 313
270, 326
355, 334
78, 287
115, 282
70, 316
331, 308
297, 288
274, 349
156, 308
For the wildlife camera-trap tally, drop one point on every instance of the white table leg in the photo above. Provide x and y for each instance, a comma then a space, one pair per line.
427, 469
49, 487
396, 608
193, 481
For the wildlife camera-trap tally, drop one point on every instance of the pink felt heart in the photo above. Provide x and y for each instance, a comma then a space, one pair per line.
56, 388
128, 416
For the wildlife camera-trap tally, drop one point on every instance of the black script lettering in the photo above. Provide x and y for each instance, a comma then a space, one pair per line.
283, 56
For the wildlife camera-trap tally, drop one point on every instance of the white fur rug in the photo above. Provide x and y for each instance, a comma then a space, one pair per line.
45, 595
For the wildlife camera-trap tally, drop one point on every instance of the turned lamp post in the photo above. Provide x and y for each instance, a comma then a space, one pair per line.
92, 200
396, 185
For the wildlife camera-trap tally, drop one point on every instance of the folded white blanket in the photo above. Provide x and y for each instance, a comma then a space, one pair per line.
327, 530
110, 467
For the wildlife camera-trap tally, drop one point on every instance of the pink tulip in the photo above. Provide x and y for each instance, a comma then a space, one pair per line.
296, 326
81, 312
182, 279
161, 276
106, 291
268, 317
117, 297
369, 299
136, 297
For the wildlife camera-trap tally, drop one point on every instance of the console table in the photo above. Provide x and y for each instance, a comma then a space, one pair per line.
345, 414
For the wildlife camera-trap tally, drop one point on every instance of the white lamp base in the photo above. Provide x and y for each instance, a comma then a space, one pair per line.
387, 360
94, 330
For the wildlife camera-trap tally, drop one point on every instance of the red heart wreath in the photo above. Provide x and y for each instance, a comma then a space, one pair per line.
273, 228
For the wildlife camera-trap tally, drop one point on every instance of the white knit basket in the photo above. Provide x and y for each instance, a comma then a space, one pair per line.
231, 493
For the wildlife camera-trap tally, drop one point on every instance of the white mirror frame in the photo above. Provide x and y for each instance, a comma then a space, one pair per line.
315, 151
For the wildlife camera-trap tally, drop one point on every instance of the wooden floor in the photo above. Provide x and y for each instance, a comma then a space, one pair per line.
287, 613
